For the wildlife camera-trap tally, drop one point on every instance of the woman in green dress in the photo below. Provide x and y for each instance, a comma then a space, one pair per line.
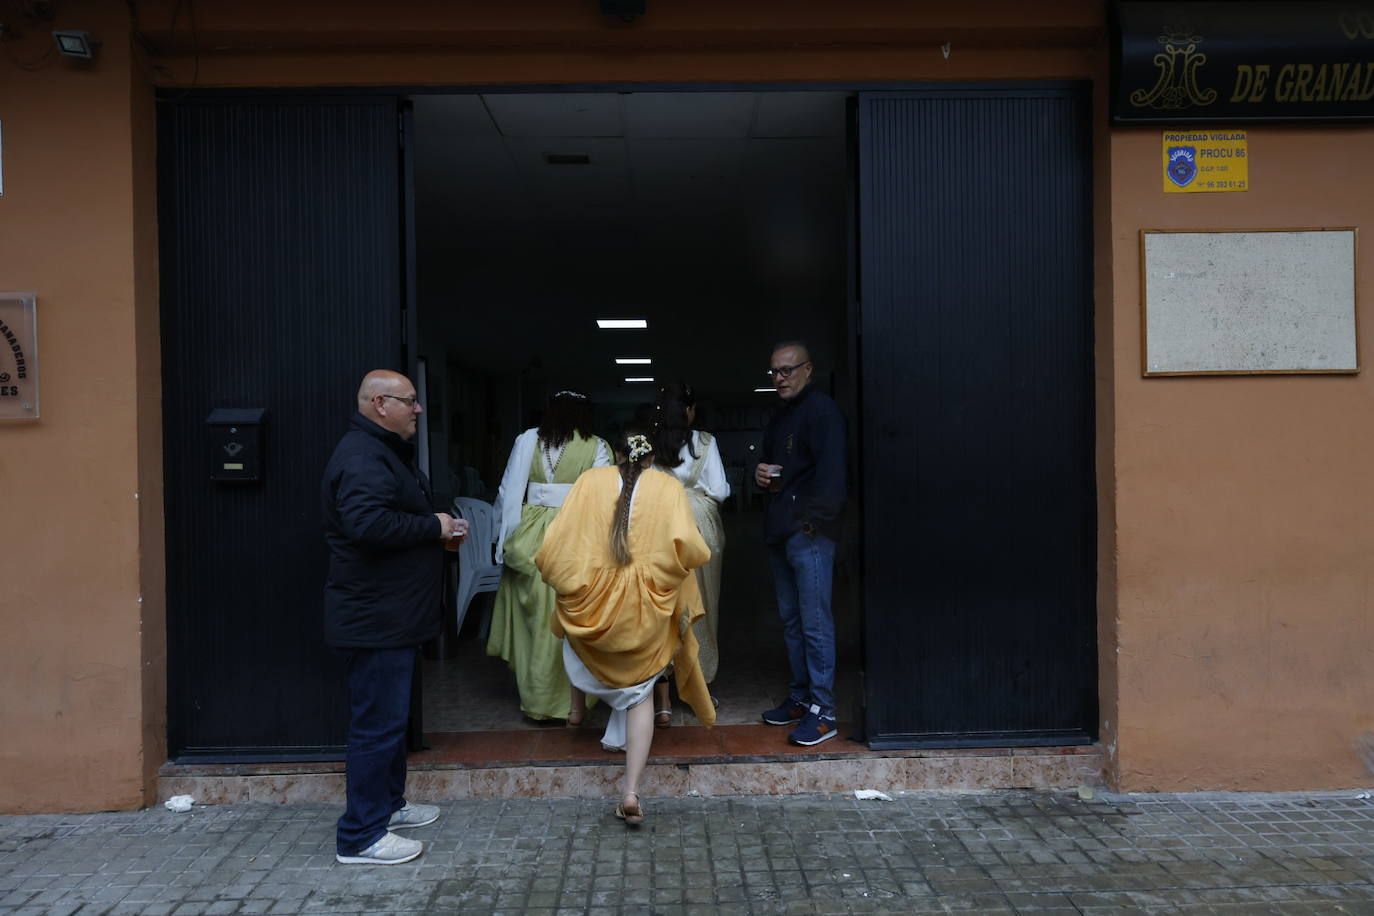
543, 466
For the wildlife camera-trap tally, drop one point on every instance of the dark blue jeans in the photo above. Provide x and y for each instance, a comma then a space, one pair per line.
803, 571
379, 702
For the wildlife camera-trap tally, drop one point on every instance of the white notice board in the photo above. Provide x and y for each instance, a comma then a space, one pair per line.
1248, 301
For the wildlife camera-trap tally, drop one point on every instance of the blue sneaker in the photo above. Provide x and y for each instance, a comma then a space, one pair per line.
815, 727
788, 712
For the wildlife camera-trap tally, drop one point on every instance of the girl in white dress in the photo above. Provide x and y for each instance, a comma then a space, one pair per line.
693, 457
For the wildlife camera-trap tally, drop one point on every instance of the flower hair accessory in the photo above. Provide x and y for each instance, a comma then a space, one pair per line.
639, 447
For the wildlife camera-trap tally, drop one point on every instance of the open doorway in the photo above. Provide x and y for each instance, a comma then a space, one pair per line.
722, 219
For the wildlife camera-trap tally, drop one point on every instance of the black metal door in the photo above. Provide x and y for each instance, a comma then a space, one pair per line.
281, 285
977, 435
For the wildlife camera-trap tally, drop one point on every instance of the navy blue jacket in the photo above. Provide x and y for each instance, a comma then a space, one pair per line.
806, 437
386, 560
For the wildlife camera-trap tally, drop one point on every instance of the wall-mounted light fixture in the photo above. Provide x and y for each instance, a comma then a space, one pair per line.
74, 44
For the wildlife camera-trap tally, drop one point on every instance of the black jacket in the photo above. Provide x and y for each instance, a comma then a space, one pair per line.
806, 437
386, 560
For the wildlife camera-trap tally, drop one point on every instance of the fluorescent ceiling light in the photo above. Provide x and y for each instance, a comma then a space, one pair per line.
632, 360
611, 324
640, 378
765, 390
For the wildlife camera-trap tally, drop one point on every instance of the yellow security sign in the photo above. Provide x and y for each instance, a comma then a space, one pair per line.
1199, 160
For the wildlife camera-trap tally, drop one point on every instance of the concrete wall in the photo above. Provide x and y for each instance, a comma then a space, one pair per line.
1243, 507
76, 223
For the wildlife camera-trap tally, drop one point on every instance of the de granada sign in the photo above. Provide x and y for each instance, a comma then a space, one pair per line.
1242, 61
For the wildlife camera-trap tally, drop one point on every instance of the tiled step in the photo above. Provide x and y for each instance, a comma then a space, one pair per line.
569, 763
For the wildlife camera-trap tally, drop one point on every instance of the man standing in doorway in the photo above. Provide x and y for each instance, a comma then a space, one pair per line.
803, 471
381, 601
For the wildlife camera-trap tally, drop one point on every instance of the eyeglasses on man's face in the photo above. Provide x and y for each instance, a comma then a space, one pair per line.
412, 401
785, 371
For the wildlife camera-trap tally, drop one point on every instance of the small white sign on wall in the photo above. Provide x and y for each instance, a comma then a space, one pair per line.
1239, 302
18, 356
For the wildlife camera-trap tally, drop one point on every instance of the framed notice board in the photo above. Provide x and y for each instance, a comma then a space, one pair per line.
1248, 302
18, 356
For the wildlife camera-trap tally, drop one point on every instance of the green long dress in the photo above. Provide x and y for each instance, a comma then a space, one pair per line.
520, 617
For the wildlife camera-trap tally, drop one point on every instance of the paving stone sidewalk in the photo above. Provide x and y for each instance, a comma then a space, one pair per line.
987, 852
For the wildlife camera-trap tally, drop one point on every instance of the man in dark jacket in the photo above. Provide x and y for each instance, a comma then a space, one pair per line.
803, 471
381, 600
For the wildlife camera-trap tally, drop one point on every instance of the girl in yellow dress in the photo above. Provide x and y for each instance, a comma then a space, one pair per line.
620, 557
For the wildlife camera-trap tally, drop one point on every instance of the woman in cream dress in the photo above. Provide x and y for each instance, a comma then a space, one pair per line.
692, 457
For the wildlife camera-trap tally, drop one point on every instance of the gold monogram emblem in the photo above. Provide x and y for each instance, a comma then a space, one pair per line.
1178, 64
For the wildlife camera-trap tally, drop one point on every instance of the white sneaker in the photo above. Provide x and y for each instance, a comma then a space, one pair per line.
391, 849
413, 816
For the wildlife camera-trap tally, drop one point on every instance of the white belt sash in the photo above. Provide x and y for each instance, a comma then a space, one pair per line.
547, 494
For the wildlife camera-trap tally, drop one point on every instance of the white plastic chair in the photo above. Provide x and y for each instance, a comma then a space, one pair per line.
477, 569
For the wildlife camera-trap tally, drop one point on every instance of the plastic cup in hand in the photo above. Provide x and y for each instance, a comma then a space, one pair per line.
460, 530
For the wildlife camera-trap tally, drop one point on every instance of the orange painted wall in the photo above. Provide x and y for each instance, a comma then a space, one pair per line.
147, 331
1104, 369
551, 42
72, 657
443, 43
1243, 507
1233, 547
83, 668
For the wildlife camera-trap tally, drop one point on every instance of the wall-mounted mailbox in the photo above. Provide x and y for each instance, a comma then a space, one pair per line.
236, 443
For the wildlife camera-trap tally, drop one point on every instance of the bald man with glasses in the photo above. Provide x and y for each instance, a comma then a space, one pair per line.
381, 601
803, 470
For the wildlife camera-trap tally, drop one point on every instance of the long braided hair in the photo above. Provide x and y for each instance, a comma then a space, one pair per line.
637, 447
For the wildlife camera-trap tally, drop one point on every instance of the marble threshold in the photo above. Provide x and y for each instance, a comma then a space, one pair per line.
686, 760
